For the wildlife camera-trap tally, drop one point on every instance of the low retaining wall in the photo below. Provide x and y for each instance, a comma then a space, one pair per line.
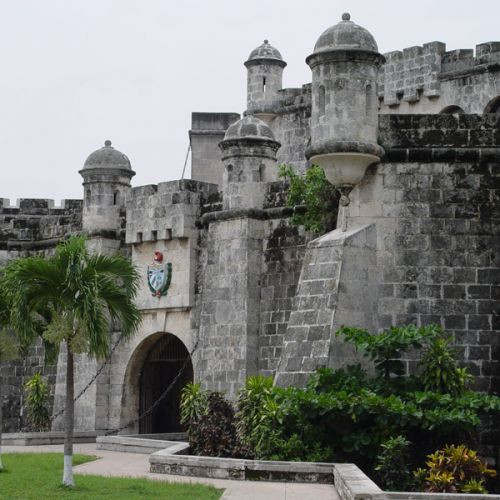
141, 443
350, 481
43, 438
352, 484
168, 462
440, 496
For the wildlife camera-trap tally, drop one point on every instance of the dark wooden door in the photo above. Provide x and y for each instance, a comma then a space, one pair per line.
167, 356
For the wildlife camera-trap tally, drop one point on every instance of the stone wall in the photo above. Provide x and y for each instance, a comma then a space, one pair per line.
32, 227
207, 130
435, 202
430, 214
291, 127
429, 79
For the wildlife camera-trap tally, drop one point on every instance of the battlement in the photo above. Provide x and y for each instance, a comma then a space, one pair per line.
167, 210
37, 223
416, 72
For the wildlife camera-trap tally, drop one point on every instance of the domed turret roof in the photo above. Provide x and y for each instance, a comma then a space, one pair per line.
265, 51
107, 156
346, 35
249, 127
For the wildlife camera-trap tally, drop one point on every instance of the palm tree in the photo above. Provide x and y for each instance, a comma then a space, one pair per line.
76, 295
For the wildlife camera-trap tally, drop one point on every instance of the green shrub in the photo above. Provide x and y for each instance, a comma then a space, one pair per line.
213, 433
385, 348
252, 404
456, 468
440, 371
392, 470
312, 191
37, 399
193, 403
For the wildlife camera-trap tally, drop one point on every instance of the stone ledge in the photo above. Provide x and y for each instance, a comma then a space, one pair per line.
168, 462
146, 444
43, 438
439, 496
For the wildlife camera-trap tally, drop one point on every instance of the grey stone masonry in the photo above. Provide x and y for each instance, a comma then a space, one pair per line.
166, 210
230, 304
435, 203
336, 287
429, 79
207, 130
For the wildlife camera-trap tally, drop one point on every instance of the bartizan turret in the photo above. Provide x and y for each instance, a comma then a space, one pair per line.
344, 120
264, 79
249, 156
106, 181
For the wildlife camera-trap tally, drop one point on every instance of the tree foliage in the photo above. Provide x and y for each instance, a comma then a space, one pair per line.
312, 191
71, 297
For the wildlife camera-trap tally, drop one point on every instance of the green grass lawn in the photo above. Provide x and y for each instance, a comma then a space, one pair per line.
38, 475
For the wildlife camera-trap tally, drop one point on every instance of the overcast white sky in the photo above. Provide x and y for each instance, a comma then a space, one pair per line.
77, 72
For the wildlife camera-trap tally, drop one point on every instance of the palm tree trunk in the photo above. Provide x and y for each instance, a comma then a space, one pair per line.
69, 420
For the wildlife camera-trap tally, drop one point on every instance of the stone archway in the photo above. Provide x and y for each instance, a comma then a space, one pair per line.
165, 359
152, 367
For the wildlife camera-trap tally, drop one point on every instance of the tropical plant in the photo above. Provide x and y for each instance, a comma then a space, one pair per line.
440, 371
392, 469
385, 348
193, 404
252, 399
75, 296
37, 398
312, 191
456, 468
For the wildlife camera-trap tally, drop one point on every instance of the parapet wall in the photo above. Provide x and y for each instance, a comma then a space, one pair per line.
419, 71
167, 210
37, 224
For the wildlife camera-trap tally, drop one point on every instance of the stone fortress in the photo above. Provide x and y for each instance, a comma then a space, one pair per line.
411, 137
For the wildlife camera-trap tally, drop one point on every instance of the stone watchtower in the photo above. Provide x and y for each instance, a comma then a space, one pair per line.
264, 80
344, 119
249, 155
230, 303
106, 180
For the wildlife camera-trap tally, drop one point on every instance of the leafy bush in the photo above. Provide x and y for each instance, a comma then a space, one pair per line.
456, 469
392, 471
253, 410
386, 348
213, 433
313, 191
440, 370
37, 399
193, 404
348, 415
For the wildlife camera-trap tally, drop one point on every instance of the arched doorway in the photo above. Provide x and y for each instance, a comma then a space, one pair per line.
493, 106
164, 360
452, 110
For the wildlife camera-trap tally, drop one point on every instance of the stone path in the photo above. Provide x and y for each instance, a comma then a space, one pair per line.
113, 463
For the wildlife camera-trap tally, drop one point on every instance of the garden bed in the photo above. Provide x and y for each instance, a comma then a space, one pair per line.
167, 461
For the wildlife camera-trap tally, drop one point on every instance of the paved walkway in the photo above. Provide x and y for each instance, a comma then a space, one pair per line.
113, 463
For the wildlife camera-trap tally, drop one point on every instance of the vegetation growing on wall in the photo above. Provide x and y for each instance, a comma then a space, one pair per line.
318, 197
